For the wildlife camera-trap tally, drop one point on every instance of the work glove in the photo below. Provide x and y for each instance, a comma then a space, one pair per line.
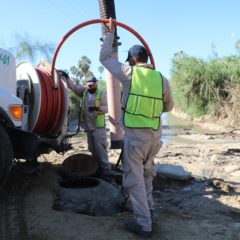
92, 109
63, 74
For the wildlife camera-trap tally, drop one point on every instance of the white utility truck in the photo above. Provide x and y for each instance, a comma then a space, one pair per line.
34, 113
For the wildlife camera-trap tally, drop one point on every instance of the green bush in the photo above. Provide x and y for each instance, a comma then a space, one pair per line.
200, 86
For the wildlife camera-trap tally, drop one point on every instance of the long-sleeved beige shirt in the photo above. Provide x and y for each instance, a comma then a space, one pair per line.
123, 72
90, 101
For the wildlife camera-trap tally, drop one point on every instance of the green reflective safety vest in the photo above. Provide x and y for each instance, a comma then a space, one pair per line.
144, 105
100, 117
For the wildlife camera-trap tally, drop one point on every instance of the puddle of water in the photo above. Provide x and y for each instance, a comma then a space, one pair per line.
174, 128
179, 130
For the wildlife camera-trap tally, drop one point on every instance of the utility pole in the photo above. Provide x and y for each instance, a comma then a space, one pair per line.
107, 10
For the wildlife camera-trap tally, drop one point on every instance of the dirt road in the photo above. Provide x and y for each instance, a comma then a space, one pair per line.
204, 207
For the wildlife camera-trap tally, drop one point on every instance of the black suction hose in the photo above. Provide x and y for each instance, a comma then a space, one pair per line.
107, 10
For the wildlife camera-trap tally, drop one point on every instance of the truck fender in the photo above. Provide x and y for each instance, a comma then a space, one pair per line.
6, 155
5, 119
25, 144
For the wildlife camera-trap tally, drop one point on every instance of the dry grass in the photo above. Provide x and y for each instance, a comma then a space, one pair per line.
229, 108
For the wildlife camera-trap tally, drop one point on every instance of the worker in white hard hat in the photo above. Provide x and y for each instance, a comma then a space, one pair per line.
92, 118
146, 94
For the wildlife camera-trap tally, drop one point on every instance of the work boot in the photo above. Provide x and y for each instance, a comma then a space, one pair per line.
134, 227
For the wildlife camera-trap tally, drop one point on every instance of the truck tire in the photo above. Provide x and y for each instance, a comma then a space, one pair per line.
6, 155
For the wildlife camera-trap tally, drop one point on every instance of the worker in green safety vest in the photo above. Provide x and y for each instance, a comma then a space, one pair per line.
146, 94
92, 118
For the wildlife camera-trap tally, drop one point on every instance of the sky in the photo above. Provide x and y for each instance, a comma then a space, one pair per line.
191, 26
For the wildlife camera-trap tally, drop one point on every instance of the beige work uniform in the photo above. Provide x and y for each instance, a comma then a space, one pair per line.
97, 137
140, 145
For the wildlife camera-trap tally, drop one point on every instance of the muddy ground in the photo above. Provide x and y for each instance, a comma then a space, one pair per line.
205, 207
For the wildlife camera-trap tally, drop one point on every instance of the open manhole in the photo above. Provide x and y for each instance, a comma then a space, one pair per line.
83, 182
88, 195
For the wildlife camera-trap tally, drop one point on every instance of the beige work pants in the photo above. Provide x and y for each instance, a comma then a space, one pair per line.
139, 172
97, 145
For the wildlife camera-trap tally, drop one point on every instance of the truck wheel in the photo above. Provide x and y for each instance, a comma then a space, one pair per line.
6, 155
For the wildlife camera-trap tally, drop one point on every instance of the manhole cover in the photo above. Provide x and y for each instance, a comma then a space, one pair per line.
79, 165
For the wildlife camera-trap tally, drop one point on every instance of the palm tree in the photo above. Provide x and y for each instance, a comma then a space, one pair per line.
76, 74
100, 69
84, 65
26, 49
46, 49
